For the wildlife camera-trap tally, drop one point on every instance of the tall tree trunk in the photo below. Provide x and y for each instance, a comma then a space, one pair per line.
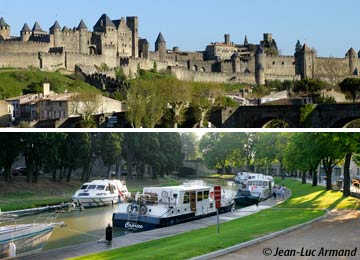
8, 174
328, 173
61, 177
303, 180
36, 173
83, 173
346, 184
314, 178
68, 177
118, 166
108, 172
89, 171
54, 176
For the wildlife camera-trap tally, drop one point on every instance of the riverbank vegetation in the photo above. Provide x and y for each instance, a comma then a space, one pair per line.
21, 195
293, 154
206, 240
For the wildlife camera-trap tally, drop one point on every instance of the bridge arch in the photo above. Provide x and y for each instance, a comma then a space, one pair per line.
266, 121
343, 122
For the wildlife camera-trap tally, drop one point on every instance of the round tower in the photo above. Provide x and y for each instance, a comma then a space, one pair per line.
4, 29
235, 60
83, 41
260, 57
160, 47
56, 31
25, 33
353, 59
260, 65
260, 74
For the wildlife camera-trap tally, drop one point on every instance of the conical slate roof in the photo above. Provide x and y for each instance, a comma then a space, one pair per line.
26, 28
104, 22
351, 52
160, 39
56, 26
82, 25
3, 23
37, 28
306, 47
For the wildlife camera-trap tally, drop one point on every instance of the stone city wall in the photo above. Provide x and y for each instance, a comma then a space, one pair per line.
18, 60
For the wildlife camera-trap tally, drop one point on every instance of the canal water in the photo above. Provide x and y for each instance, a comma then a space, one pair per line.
89, 225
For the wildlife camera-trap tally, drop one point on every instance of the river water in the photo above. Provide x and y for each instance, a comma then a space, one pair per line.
89, 225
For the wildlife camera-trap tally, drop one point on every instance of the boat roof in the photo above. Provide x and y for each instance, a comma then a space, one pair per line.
179, 188
102, 182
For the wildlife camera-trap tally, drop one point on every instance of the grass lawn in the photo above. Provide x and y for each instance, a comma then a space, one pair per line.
21, 195
306, 203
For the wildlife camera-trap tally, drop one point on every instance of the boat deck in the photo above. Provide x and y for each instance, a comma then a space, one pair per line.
135, 238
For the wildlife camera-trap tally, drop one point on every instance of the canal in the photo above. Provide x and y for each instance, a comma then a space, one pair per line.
89, 225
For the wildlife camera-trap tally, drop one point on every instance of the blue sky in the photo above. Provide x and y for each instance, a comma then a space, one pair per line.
330, 26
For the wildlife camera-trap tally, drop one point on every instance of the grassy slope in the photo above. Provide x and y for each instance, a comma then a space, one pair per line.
12, 82
203, 241
20, 195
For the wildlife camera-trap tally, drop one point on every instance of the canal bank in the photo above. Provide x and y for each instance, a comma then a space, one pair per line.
135, 238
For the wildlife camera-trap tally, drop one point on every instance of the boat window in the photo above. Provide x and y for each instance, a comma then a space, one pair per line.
199, 196
257, 183
206, 195
107, 188
265, 183
84, 187
91, 187
186, 198
100, 187
250, 183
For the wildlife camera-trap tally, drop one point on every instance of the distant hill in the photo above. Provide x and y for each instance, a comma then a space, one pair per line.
17, 82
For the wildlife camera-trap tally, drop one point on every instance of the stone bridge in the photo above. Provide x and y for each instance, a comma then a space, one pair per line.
318, 116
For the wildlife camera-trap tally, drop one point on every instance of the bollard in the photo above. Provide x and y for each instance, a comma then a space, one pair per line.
108, 233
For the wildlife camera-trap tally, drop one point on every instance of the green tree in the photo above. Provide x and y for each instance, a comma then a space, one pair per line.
10, 149
351, 86
110, 149
189, 145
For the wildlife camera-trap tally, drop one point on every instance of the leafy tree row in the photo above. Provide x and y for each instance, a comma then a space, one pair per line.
62, 153
294, 152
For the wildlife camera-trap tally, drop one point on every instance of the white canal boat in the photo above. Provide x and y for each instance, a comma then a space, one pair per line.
23, 239
253, 188
165, 206
101, 193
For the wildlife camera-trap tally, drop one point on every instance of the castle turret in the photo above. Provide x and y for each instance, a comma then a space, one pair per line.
37, 29
83, 42
304, 62
56, 31
353, 59
25, 33
4, 30
104, 24
160, 47
133, 24
235, 60
260, 74
260, 65
144, 49
227, 39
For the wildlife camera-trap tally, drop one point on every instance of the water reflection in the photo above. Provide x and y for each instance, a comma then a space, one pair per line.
89, 225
